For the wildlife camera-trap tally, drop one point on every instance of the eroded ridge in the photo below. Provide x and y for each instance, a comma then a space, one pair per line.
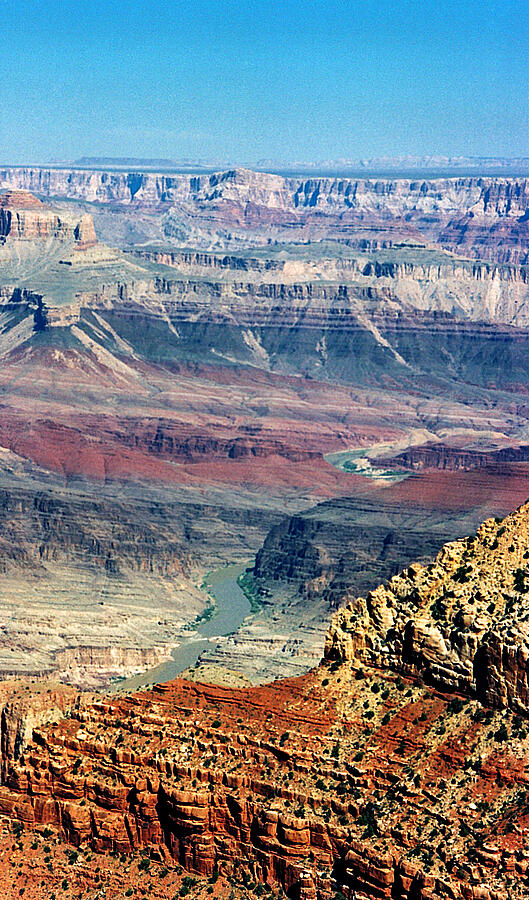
341, 780
463, 621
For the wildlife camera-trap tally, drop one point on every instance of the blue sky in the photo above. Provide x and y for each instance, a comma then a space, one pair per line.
242, 81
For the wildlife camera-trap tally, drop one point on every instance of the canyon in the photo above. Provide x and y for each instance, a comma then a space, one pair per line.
477, 213
372, 774
168, 409
323, 381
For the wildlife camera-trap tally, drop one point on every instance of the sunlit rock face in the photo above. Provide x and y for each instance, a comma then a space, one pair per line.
337, 780
461, 621
24, 217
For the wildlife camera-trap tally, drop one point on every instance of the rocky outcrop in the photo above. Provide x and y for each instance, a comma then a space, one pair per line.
19, 200
23, 708
99, 665
459, 622
418, 264
24, 217
193, 261
183, 442
84, 233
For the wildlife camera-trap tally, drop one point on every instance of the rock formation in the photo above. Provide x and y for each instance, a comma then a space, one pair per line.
84, 233
459, 622
24, 707
336, 781
164, 408
485, 216
19, 200
442, 456
24, 217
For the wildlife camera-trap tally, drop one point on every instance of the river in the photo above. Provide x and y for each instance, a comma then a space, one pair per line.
357, 462
231, 606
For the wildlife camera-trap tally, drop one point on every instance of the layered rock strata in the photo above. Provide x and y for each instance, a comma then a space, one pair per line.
25, 706
350, 544
485, 216
24, 217
328, 260
507, 197
453, 458
379, 305
333, 782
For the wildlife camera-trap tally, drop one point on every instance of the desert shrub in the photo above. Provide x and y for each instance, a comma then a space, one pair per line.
439, 609
367, 818
501, 734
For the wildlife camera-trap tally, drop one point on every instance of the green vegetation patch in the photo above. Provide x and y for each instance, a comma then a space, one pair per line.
247, 585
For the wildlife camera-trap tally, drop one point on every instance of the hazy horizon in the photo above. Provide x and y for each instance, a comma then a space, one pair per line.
434, 165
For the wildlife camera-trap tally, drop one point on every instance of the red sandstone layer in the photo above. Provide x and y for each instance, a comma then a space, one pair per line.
340, 780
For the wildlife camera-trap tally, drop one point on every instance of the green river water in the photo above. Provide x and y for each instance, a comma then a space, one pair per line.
231, 608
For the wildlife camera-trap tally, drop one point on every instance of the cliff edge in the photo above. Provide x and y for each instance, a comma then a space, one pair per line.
461, 622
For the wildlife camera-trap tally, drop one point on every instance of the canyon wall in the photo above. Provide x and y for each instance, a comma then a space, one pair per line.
490, 196
441, 456
424, 300
485, 217
331, 782
108, 536
349, 545
23, 708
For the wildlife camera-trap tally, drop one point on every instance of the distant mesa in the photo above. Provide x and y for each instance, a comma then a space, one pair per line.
373, 166
123, 161
139, 162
